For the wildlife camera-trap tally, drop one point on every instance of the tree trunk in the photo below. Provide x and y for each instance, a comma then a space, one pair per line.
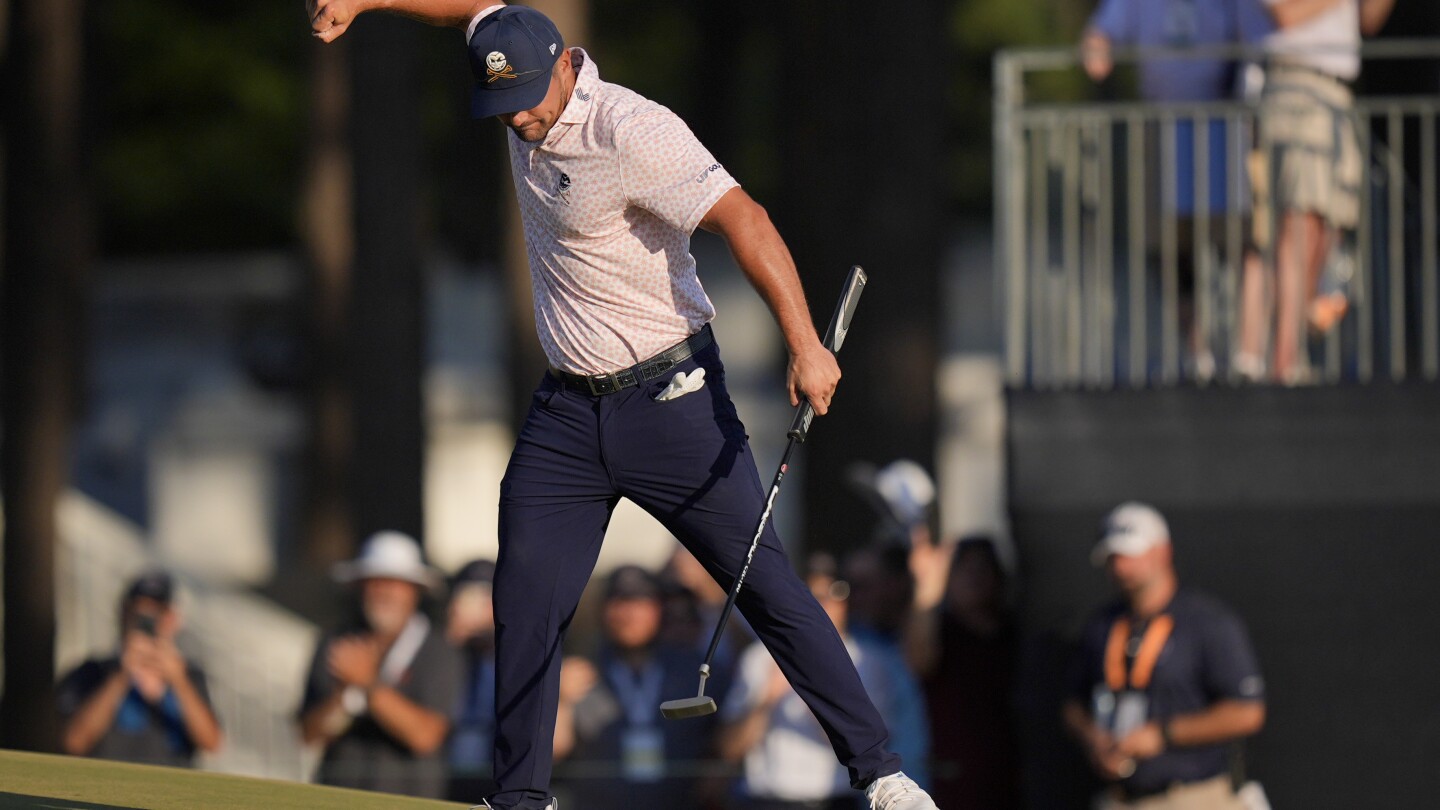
47, 246
864, 162
328, 232
387, 330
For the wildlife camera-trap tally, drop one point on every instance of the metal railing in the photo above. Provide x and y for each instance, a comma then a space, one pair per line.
1105, 284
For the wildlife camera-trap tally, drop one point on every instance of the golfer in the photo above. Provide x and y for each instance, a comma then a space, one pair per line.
634, 404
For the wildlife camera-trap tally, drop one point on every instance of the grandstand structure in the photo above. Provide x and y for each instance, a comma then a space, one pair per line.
1310, 509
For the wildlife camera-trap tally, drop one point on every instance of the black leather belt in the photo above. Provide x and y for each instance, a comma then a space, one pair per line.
644, 371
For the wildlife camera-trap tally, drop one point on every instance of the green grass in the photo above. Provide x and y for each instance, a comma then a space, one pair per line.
43, 782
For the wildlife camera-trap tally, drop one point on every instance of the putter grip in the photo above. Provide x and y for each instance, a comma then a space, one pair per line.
834, 338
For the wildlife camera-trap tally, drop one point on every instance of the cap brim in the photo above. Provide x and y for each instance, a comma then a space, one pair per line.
488, 102
1100, 554
1120, 545
348, 572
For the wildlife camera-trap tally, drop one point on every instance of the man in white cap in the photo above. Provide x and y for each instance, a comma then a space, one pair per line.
380, 689
1166, 680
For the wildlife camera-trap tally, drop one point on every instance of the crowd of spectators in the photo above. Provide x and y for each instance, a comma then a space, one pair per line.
399, 702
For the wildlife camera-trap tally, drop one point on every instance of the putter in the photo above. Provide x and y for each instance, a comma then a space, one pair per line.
703, 704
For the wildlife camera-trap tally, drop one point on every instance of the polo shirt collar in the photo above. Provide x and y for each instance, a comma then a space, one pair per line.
577, 110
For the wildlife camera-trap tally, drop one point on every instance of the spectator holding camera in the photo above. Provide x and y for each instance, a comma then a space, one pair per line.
147, 703
380, 690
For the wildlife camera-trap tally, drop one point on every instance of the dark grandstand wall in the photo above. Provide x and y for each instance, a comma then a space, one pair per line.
1315, 513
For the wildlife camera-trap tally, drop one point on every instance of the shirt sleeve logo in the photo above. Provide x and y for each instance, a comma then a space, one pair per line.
705, 174
1252, 686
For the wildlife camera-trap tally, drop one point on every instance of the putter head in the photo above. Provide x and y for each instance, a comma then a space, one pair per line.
688, 707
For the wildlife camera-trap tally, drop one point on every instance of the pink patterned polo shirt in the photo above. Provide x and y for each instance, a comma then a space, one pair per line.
609, 201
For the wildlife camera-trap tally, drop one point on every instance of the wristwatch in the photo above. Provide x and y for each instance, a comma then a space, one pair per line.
354, 701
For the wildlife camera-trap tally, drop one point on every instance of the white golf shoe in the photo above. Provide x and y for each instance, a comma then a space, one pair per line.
898, 792
484, 805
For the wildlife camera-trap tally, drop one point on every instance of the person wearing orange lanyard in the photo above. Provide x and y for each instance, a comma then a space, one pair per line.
1166, 679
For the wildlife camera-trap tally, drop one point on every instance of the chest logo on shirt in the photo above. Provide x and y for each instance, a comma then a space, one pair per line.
564, 187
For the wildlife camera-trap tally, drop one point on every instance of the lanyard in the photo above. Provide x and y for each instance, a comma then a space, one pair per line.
477, 706
1121, 670
639, 693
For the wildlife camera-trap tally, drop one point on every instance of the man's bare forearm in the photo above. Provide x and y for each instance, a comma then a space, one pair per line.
324, 721
330, 19
449, 13
737, 738
417, 727
766, 262
1220, 723
1374, 14
1075, 719
200, 722
95, 716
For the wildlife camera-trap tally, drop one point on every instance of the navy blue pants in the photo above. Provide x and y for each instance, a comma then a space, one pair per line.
687, 462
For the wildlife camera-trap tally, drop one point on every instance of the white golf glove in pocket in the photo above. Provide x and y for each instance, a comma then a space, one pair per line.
682, 384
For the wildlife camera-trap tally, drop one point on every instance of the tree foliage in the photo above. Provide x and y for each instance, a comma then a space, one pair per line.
199, 120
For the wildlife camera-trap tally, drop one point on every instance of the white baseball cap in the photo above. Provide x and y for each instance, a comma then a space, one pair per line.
907, 488
389, 555
1129, 530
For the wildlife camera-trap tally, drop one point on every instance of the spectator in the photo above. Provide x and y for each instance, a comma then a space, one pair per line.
693, 602
380, 689
882, 594
1312, 169
148, 703
1178, 25
786, 756
962, 646
470, 628
609, 725
1166, 678
902, 493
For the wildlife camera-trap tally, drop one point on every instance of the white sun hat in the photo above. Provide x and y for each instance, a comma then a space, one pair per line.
389, 555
